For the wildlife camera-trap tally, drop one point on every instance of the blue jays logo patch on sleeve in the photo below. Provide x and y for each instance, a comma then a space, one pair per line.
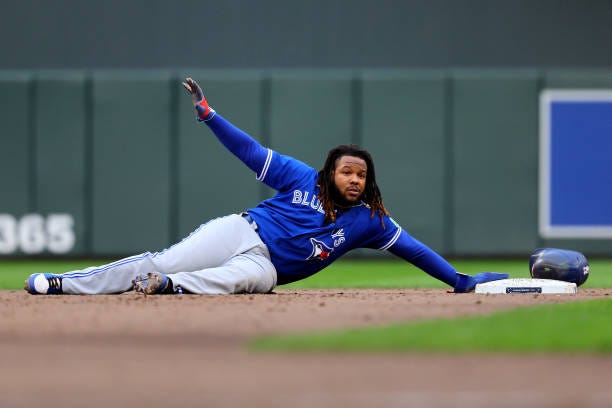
320, 250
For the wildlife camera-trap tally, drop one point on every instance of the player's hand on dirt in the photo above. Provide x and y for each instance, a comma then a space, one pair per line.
204, 112
466, 283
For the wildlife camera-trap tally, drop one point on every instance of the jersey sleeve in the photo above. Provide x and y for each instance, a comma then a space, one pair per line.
243, 146
277, 171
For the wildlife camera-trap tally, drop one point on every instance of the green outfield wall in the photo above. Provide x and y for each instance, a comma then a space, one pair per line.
97, 163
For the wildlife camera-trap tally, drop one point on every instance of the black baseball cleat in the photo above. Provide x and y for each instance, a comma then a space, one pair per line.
44, 284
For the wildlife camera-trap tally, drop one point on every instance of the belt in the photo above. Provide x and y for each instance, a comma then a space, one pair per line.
250, 220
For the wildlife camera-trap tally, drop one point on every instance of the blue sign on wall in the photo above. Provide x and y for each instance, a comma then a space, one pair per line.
576, 164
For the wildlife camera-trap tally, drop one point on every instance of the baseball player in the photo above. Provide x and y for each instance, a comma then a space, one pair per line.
315, 218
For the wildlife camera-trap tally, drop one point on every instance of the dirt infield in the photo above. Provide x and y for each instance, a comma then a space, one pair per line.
128, 350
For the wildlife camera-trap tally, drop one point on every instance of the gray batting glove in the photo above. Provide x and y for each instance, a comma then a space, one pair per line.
204, 112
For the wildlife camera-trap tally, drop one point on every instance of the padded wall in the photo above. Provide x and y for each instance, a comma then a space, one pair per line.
402, 129
61, 143
309, 114
15, 143
131, 163
494, 179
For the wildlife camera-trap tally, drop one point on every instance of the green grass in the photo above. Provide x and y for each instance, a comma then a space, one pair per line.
580, 327
391, 273
349, 273
14, 272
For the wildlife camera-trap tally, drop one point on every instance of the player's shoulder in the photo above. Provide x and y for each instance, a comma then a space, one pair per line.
284, 172
378, 222
285, 159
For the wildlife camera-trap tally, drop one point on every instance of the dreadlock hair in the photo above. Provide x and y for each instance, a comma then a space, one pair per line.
327, 186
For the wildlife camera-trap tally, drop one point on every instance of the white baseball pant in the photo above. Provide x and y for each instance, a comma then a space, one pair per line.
224, 256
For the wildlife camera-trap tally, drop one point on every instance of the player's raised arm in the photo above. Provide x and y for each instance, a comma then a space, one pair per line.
243, 146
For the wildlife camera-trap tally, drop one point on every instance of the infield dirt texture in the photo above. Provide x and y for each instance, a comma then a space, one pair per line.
128, 350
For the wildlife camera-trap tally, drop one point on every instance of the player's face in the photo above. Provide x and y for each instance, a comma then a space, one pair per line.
350, 177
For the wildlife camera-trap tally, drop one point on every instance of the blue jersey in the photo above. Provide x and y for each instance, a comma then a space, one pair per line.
292, 223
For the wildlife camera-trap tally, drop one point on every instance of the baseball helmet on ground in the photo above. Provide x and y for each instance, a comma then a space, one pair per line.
559, 264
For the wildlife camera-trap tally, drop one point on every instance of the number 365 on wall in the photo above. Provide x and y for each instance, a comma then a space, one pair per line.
35, 233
